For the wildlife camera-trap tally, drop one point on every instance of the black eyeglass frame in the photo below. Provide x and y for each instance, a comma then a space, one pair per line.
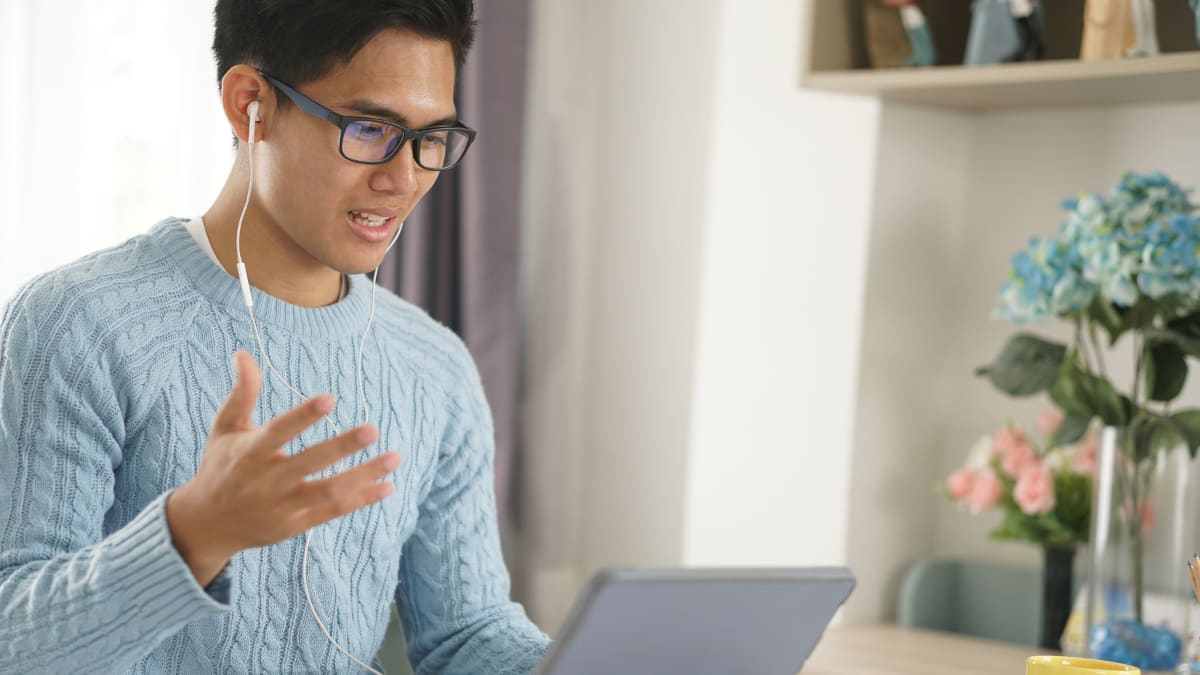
315, 109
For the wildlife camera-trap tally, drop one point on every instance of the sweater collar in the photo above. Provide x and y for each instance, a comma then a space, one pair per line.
347, 316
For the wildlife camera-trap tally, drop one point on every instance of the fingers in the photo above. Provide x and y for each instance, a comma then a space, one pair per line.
327, 511
288, 425
324, 455
237, 411
349, 491
367, 472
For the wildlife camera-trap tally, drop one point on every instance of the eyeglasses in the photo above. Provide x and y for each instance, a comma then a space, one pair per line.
369, 140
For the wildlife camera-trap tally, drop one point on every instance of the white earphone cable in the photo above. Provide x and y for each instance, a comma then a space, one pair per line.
371, 318
262, 350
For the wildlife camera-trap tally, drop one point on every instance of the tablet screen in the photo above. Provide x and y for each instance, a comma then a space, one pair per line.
698, 621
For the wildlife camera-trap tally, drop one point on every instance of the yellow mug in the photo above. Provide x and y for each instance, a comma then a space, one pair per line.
1070, 665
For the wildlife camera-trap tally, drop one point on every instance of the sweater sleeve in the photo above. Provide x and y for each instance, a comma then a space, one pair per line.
453, 595
71, 598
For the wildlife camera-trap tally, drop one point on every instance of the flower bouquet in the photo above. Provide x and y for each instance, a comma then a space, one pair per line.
1123, 270
1044, 493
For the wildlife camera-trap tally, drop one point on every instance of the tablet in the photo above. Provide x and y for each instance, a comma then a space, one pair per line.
637, 621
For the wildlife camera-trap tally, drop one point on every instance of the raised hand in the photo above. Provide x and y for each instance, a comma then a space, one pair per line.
249, 492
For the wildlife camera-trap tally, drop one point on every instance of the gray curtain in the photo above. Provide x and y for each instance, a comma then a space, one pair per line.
458, 256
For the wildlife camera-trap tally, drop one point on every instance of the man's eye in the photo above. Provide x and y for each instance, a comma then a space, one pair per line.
367, 131
435, 139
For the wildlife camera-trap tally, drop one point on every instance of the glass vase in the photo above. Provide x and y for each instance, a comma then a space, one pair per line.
1139, 597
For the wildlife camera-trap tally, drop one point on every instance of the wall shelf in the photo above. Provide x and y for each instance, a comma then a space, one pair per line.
836, 61
1169, 77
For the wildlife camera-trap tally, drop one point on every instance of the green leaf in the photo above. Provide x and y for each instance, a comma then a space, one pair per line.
1027, 365
1165, 436
1144, 429
1082, 394
1066, 392
1142, 314
1102, 399
1187, 423
1188, 325
1073, 502
1106, 314
1073, 428
1166, 370
1190, 345
1017, 525
1052, 526
1176, 306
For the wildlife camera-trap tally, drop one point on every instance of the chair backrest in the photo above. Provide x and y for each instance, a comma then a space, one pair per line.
392, 653
984, 599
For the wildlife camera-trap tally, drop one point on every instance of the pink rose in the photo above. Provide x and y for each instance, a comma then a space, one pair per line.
1147, 514
959, 483
1049, 421
1008, 438
1085, 458
1034, 491
1015, 459
1149, 517
985, 491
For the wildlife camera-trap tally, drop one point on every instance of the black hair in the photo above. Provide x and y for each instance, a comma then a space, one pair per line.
299, 41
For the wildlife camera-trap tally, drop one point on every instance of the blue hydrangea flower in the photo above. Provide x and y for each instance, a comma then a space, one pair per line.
1169, 259
1085, 215
1141, 239
1045, 281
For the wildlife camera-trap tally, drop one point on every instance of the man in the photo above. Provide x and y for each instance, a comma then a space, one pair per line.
152, 501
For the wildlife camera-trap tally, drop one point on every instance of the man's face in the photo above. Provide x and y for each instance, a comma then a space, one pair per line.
316, 198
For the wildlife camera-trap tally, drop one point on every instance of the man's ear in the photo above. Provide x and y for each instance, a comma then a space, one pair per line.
241, 86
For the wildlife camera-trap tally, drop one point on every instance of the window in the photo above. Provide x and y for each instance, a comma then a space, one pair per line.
110, 121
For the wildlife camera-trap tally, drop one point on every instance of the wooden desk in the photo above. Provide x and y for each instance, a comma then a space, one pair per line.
884, 649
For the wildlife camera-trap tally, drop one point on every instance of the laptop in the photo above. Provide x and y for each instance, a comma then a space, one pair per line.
677, 621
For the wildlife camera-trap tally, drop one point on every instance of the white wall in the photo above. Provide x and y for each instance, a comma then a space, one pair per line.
620, 131
907, 325
696, 238
782, 285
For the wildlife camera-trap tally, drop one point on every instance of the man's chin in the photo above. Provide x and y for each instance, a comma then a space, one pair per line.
357, 266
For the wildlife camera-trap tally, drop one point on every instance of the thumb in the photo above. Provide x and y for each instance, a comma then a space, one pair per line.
236, 414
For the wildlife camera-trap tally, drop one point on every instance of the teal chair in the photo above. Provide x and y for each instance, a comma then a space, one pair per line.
393, 653
984, 599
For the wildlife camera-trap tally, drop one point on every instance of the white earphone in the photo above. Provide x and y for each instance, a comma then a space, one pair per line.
252, 111
243, 280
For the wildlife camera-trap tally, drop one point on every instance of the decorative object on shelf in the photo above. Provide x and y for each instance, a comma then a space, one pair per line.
1127, 265
898, 34
887, 41
1108, 31
1145, 33
1005, 31
1027, 15
923, 53
1044, 492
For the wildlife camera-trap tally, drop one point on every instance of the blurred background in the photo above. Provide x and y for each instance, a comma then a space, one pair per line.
745, 312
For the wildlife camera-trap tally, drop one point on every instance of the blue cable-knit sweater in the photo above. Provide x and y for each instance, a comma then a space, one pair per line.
111, 370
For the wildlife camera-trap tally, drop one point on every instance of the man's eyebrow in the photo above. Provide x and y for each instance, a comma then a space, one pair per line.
369, 109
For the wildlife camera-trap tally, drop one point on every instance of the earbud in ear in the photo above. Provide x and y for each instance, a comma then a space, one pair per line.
252, 111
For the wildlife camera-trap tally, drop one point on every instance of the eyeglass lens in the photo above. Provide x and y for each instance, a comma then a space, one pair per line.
367, 141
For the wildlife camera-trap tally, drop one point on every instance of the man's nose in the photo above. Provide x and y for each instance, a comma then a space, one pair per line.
399, 174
